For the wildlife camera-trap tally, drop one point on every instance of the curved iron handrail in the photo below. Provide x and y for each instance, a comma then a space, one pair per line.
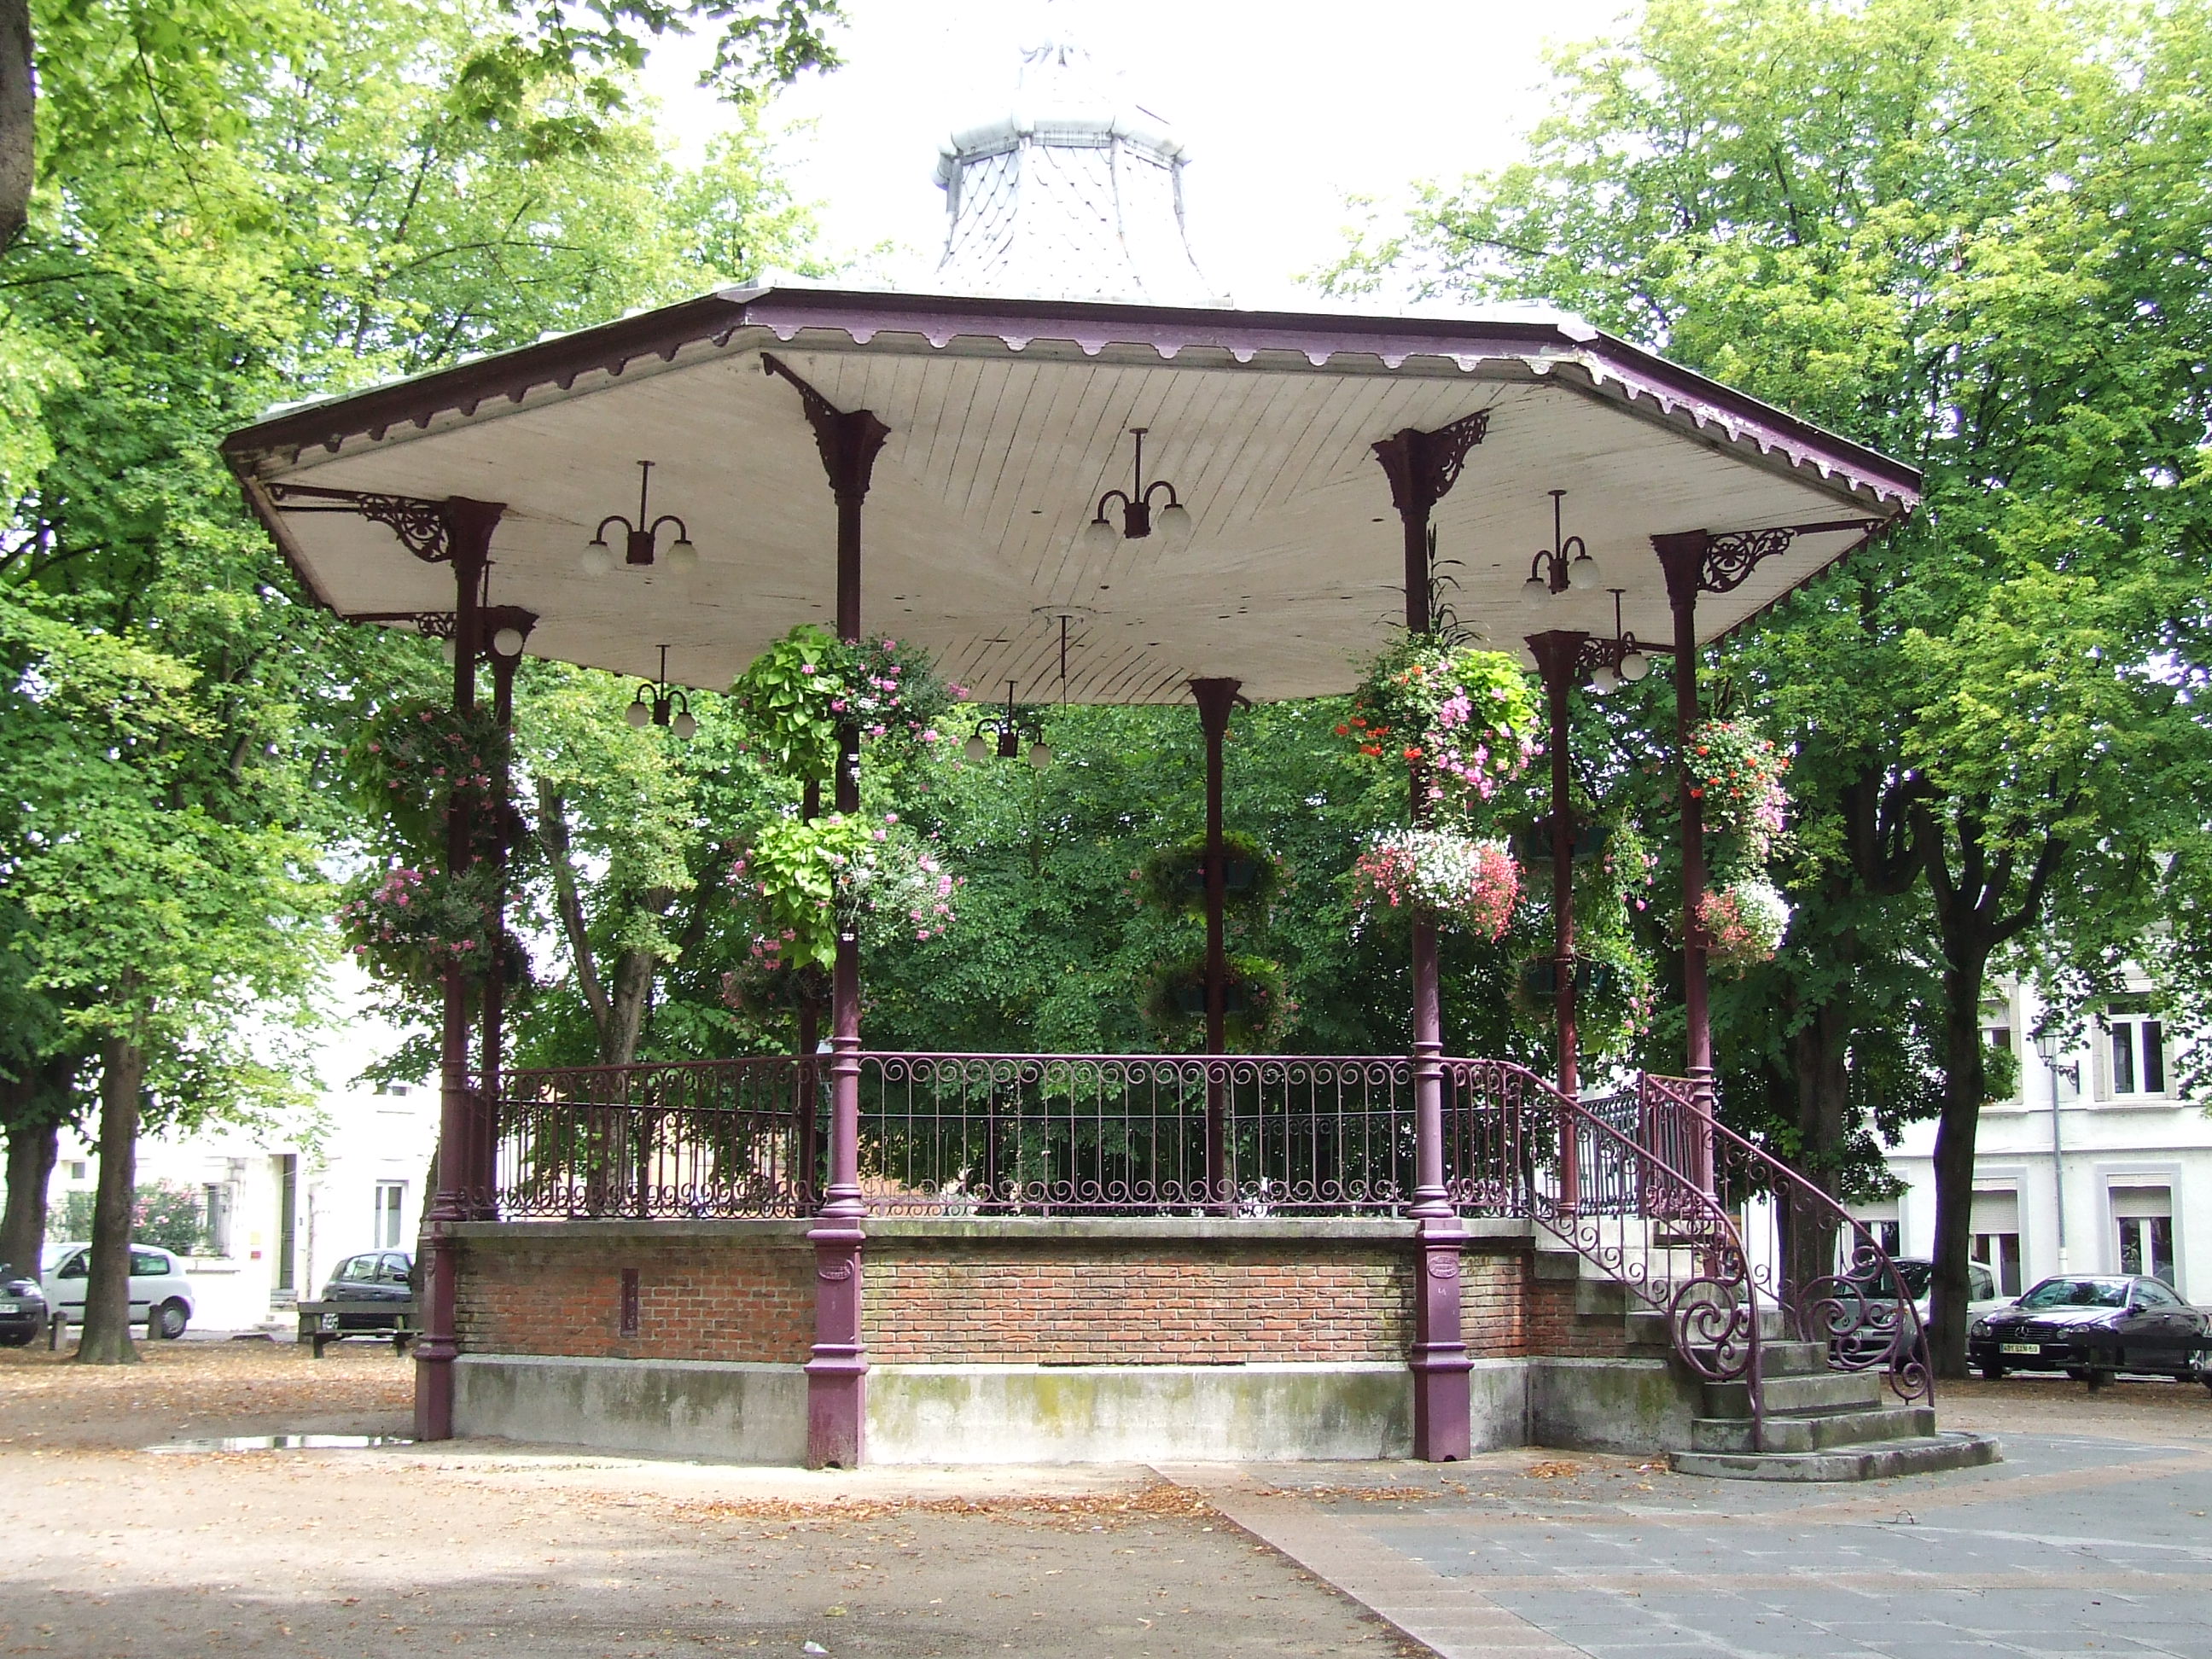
1863, 1312
1564, 1166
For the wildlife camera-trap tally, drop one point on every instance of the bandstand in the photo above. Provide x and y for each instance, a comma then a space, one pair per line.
822, 1258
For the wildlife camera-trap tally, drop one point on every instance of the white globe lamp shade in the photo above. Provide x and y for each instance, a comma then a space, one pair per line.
1099, 536
683, 557
1536, 587
1604, 679
637, 714
508, 641
683, 726
450, 649
598, 559
1176, 525
1040, 755
1634, 666
1582, 574
975, 750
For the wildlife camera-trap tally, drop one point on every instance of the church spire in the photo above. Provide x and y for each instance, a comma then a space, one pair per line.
1075, 194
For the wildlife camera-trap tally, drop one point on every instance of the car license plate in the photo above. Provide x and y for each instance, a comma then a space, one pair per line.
10, 1307
329, 1322
2020, 1347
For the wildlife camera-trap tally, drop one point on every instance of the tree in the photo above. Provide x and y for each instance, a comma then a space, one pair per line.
1971, 232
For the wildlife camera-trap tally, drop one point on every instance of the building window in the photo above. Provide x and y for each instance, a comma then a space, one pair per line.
391, 1213
216, 1207
1886, 1235
77, 1170
2137, 1053
392, 1087
2142, 1216
1999, 1254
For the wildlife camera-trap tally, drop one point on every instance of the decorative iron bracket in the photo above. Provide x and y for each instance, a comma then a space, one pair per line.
424, 527
1422, 466
1722, 559
849, 442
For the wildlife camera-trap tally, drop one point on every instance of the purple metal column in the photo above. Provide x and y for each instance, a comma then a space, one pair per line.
1216, 698
836, 1375
805, 1102
1558, 661
1422, 467
468, 526
1683, 559
483, 1173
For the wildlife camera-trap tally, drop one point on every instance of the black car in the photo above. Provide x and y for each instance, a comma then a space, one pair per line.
22, 1308
376, 1280
2095, 1326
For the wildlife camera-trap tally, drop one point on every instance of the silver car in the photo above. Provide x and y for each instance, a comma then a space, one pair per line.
160, 1295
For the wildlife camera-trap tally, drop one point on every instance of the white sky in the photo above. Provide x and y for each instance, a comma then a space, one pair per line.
1286, 107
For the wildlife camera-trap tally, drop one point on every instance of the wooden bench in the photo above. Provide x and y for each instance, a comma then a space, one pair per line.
402, 1327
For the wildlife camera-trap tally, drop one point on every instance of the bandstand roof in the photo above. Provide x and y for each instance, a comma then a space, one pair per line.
1008, 418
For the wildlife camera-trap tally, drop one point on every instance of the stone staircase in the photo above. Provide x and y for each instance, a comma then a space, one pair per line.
1818, 1424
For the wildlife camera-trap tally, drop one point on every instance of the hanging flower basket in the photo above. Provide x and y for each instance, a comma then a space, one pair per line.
1454, 879
768, 979
1468, 719
1255, 1005
408, 925
1531, 844
1743, 924
1173, 879
1613, 993
412, 761
799, 692
809, 880
1735, 773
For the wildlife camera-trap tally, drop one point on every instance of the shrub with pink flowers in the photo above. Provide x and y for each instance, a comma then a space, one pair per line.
1466, 718
1454, 879
409, 925
799, 692
1743, 924
1736, 771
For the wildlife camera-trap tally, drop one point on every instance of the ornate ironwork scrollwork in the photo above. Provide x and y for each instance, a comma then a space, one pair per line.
424, 528
1422, 466
1732, 555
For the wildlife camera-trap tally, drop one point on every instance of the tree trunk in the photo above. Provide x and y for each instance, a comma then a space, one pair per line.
1963, 1085
1819, 1055
31, 1152
626, 1007
18, 119
107, 1335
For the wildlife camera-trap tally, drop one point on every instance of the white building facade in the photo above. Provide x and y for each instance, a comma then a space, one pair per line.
282, 1205
2097, 1165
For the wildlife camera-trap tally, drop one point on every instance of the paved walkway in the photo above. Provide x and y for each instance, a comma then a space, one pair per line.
2074, 1544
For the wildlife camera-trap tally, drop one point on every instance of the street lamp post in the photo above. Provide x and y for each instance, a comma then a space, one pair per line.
2046, 1049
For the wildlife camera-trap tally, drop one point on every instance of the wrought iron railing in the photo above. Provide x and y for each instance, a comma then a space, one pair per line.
1037, 1134
690, 1138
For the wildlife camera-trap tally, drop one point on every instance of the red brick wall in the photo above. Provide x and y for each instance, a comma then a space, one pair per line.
728, 1296
961, 1302
699, 1297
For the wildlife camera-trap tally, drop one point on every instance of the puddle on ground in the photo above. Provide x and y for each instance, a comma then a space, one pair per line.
239, 1442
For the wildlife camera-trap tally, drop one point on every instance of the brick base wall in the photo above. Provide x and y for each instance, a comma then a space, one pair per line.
988, 1296
710, 1297
955, 1302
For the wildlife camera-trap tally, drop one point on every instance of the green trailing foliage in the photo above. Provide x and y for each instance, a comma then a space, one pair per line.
1172, 878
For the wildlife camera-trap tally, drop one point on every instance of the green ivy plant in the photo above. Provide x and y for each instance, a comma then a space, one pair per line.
800, 692
1173, 879
1259, 1008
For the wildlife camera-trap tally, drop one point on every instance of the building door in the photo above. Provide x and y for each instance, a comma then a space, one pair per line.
287, 1220
391, 1213
1995, 1224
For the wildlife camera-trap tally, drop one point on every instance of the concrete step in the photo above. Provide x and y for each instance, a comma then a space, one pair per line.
1798, 1392
1922, 1454
1813, 1431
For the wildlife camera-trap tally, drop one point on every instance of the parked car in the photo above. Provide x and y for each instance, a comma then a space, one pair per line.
376, 1280
160, 1295
2093, 1326
23, 1309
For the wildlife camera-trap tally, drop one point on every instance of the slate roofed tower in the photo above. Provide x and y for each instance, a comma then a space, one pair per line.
1075, 194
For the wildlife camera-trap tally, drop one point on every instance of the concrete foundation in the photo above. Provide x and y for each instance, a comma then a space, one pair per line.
1610, 1405
722, 1411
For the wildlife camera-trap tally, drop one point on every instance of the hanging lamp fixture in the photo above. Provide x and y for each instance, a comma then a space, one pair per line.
1003, 733
1139, 518
1621, 659
1565, 563
659, 703
639, 538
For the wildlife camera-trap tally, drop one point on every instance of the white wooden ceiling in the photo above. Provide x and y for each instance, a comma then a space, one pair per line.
999, 450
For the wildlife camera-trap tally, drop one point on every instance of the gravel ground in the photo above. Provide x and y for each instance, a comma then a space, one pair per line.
118, 1553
